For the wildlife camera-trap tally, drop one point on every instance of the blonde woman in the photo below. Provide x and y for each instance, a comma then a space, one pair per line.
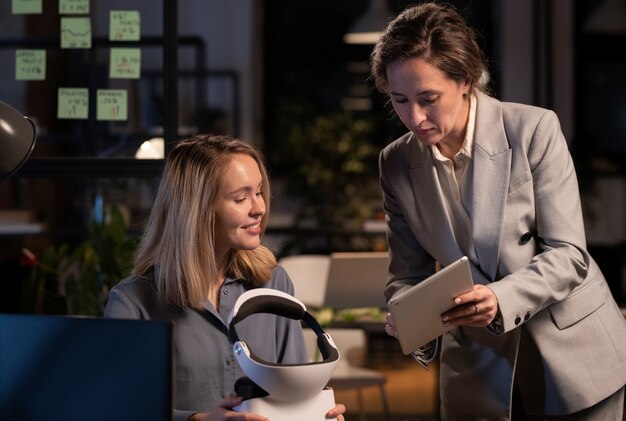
200, 251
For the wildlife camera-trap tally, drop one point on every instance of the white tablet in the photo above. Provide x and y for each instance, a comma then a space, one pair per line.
417, 311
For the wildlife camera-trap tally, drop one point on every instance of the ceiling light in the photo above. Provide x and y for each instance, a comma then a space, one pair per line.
368, 28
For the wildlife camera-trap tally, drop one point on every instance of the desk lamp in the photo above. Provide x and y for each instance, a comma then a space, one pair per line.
17, 139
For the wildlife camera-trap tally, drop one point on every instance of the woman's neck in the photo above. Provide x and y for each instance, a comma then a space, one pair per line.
214, 293
453, 144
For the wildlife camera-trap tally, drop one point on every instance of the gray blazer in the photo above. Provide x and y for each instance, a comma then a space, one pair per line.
561, 325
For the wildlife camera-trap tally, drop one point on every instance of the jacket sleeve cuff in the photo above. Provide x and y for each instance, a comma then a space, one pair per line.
426, 353
496, 326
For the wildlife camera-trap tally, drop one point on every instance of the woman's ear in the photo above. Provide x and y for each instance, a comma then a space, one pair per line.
466, 87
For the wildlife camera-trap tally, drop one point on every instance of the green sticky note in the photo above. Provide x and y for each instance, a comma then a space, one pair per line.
73, 103
112, 104
30, 64
26, 7
73, 7
75, 33
125, 63
124, 25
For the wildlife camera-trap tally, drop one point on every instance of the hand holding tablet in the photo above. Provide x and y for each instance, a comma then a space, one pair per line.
417, 311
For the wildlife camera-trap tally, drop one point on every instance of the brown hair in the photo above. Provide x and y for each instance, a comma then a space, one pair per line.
179, 240
436, 33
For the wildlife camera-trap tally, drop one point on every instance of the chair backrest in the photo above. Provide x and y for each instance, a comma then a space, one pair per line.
357, 279
309, 274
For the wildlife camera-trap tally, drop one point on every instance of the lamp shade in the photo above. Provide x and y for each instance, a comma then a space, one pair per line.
369, 26
608, 17
17, 139
151, 149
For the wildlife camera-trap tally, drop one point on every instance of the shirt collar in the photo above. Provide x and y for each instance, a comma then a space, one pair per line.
468, 143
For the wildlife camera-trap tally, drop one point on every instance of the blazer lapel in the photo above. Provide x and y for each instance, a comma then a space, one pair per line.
490, 181
432, 219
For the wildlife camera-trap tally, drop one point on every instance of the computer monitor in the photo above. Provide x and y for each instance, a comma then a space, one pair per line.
77, 368
357, 279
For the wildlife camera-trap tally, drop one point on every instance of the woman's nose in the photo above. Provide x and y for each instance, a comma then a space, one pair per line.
258, 206
417, 115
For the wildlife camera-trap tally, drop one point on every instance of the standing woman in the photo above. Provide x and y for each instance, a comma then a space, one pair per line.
200, 251
540, 335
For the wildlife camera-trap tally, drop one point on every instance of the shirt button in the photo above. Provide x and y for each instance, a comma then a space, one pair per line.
228, 362
225, 291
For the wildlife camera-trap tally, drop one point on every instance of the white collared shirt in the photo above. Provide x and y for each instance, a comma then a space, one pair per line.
456, 187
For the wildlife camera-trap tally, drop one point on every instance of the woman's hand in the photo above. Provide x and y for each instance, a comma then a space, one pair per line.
224, 412
337, 412
476, 308
390, 327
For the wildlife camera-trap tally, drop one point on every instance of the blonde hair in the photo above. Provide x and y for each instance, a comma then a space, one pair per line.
179, 240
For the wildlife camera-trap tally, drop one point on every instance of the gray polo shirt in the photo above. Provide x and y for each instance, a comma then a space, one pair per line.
204, 364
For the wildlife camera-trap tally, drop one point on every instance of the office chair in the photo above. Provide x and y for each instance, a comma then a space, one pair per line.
348, 376
309, 274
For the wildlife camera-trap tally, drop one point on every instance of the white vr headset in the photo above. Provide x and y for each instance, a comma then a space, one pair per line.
283, 382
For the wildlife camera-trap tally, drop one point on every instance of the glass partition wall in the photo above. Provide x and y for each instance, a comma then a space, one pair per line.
101, 79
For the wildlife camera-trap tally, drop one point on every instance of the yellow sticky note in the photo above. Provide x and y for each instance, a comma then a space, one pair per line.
124, 25
73, 103
112, 104
26, 7
125, 63
75, 33
73, 7
30, 64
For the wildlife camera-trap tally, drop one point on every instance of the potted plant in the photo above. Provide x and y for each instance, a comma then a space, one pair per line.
331, 168
76, 281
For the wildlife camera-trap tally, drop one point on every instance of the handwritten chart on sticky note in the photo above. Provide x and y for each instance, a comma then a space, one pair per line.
125, 63
30, 64
124, 25
112, 105
26, 7
73, 7
73, 103
75, 32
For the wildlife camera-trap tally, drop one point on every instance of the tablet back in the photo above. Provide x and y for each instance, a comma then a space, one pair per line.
417, 311
76, 368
